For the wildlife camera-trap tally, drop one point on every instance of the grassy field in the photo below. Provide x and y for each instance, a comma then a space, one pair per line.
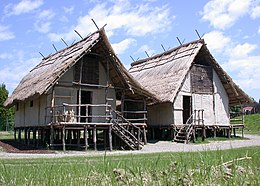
252, 123
193, 168
228, 167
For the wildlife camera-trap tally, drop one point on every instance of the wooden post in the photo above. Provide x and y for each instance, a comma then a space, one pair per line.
145, 138
78, 138
86, 136
234, 131
110, 138
51, 136
25, 136
215, 132
28, 139
43, 137
14, 134
105, 138
138, 138
228, 132
34, 136
19, 135
203, 133
63, 138
69, 136
95, 137
242, 132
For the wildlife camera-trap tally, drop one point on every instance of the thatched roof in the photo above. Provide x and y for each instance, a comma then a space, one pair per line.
45, 75
164, 74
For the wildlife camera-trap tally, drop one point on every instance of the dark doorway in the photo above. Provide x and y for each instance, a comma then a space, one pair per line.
186, 108
86, 97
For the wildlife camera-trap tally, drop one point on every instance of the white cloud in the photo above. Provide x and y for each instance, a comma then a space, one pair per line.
146, 48
68, 10
246, 71
5, 34
240, 51
13, 72
216, 41
5, 56
43, 23
42, 27
46, 14
255, 12
24, 6
123, 45
135, 20
223, 14
258, 30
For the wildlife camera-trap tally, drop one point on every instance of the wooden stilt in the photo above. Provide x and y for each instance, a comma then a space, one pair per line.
34, 136
215, 132
138, 137
51, 135
234, 131
203, 133
105, 138
110, 138
86, 136
145, 138
43, 137
15, 134
95, 137
78, 138
25, 135
19, 135
228, 132
28, 139
63, 138
242, 132
69, 136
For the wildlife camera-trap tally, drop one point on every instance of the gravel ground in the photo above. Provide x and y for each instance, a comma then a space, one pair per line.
161, 146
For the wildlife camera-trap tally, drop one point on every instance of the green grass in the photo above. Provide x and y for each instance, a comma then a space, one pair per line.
252, 123
192, 168
4, 135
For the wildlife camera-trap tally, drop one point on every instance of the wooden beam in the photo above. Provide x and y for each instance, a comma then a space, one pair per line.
63, 138
110, 138
95, 137
86, 136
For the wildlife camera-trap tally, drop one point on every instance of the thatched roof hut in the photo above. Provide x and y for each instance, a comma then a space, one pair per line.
47, 73
164, 74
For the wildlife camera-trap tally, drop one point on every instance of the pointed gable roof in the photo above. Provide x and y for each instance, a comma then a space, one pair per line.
164, 74
42, 77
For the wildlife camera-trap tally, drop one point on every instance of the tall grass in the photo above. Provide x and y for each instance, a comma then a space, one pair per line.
193, 168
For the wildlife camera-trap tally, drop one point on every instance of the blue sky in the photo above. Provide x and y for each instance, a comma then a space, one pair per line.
231, 29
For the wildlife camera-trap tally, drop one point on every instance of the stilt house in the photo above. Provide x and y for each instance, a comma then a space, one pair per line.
194, 91
70, 99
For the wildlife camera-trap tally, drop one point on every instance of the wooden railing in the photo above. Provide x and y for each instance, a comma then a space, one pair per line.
72, 113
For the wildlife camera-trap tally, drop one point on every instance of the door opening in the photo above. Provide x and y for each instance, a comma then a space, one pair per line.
86, 98
186, 108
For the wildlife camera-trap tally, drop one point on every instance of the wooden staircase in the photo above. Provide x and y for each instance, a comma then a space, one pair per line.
121, 127
186, 132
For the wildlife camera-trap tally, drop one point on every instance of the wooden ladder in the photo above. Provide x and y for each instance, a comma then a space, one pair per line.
187, 131
131, 139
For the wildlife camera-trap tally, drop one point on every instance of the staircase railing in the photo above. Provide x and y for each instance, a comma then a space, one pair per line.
185, 132
123, 124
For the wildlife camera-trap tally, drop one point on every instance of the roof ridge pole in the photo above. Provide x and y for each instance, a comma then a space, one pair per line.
179, 40
163, 47
78, 34
64, 42
94, 23
198, 33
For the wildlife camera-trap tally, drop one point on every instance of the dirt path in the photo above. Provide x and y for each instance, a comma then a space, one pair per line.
161, 146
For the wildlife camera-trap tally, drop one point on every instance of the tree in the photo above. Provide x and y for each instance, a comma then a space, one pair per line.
6, 114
